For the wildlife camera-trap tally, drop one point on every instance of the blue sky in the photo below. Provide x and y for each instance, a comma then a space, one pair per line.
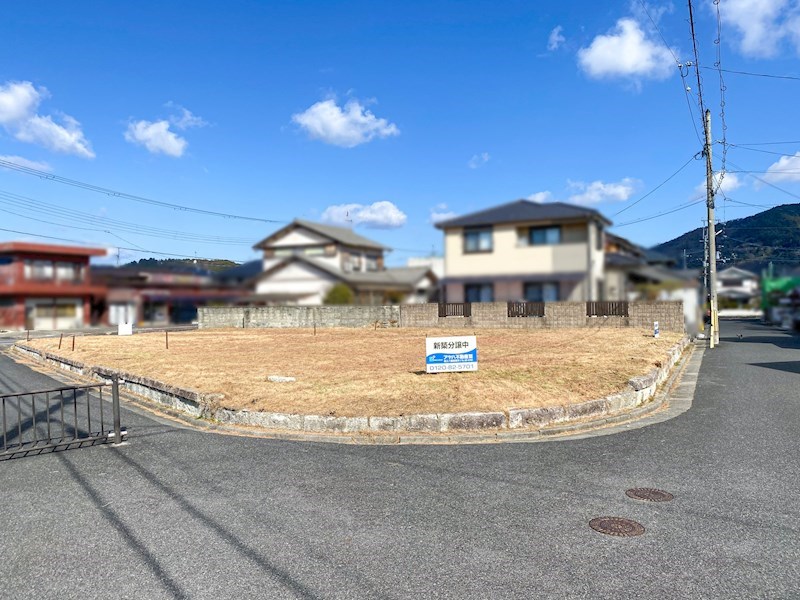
383, 116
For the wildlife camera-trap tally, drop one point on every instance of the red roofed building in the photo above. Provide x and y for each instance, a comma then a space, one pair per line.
44, 286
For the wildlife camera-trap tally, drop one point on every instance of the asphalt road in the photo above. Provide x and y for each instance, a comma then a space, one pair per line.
178, 513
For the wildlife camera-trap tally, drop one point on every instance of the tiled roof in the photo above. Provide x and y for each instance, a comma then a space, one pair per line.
524, 211
406, 277
343, 235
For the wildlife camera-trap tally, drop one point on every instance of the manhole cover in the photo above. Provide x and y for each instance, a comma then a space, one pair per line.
616, 526
649, 494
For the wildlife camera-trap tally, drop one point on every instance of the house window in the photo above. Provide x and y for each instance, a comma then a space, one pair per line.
38, 269
541, 292
541, 236
66, 271
372, 263
478, 240
479, 292
314, 251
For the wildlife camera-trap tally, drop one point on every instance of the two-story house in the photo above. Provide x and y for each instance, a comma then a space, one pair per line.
43, 286
738, 287
525, 250
304, 260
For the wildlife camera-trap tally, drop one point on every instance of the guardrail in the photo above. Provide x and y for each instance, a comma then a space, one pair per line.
59, 418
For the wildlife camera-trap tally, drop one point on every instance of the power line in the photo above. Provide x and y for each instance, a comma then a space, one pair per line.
772, 185
686, 164
741, 147
681, 67
34, 206
722, 89
770, 143
661, 214
757, 74
82, 243
109, 192
696, 61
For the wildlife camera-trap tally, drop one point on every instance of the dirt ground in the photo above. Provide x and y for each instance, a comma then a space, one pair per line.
357, 372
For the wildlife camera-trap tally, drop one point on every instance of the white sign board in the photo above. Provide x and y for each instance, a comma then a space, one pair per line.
449, 354
125, 329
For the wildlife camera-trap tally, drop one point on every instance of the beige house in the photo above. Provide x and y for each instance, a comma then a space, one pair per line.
525, 250
304, 260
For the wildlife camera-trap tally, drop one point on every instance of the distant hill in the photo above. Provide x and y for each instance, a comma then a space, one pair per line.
750, 243
182, 264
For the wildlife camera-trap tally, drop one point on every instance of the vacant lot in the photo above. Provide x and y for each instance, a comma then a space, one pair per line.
351, 372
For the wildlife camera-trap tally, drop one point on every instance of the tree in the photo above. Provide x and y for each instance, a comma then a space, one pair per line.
340, 293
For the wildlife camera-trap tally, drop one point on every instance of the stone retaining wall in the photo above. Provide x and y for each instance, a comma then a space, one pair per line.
637, 392
485, 315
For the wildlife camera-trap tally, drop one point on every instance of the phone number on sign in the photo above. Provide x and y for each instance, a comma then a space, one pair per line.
452, 367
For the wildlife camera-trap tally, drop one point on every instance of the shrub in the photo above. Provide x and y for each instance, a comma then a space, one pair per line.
339, 294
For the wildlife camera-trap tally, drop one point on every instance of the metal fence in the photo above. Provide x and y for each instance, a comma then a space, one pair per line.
60, 418
455, 309
526, 309
617, 308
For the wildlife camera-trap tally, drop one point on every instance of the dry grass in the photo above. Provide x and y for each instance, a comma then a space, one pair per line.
351, 372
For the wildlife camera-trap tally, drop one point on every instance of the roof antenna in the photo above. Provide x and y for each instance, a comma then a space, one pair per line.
347, 218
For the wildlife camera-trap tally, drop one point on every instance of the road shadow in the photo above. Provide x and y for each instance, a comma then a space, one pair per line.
762, 334
790, 366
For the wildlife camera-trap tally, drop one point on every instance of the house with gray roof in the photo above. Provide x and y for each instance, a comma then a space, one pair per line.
525, 250
304, 260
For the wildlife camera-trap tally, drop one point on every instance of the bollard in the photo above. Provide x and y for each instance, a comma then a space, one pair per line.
60, 337
655, 329
73, 343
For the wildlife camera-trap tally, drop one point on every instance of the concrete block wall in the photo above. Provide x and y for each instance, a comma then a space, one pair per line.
419, 315
299, 316
485, 315
565, 314
668, 314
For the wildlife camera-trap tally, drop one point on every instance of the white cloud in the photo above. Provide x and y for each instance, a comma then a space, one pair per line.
786, 169
378, 215
441, 213
730, 182
346, 127
186, 119
626, 52
478, 160
763, 24
599, 191
540, 197
24, 162
556, 39
19, 101
157, 137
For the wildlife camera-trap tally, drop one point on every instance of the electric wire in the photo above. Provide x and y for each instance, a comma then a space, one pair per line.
691, 203
117, 194
789, 77
686, 164
722, 89
82, 243
681, 68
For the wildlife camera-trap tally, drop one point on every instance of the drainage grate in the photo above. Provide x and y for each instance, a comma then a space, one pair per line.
616, 526
649, 494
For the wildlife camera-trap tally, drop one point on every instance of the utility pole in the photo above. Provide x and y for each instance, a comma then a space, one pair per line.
712, 243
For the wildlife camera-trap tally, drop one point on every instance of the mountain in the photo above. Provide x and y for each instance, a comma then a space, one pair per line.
750, 243
182, 265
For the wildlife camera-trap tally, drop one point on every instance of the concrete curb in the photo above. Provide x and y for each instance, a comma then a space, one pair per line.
515, 424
